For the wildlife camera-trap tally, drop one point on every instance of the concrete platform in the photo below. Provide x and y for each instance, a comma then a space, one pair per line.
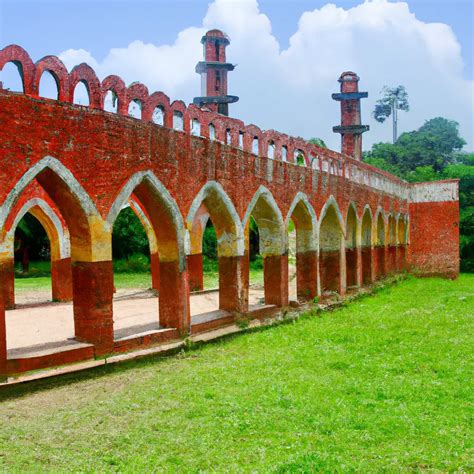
46, 326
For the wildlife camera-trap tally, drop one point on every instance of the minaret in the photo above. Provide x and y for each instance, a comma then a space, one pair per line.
213, 72
350, 129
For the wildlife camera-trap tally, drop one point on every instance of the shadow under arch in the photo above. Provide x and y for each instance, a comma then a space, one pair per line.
366, 246
331, 249
167, 224
213, 203
391, 248
352, 247
402, 241
272, 244
90, 248
379, 236
302, 214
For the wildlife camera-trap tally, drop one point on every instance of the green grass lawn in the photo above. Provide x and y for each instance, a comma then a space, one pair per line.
382, 385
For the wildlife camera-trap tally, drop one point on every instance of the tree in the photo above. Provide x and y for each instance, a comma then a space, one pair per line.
433, 153
394, 99
318, 141
434, 144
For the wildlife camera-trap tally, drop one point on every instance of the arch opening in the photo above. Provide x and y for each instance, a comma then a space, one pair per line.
11, 77
351, 249
271, 246
111, 102
392, 245
161, 220
302, 251
89, 253
49, 85
379, 261
135, 109
81, 94
366, 250
216, 245
331, 253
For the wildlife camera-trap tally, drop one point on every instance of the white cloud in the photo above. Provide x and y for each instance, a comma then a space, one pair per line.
290, 90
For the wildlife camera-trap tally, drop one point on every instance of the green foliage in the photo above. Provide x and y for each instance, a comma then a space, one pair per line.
136, 263
31, 234
129, 236
209, 241
381, 385
318, 141
432, 153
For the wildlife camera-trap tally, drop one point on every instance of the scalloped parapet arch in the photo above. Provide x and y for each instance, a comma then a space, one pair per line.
313, 154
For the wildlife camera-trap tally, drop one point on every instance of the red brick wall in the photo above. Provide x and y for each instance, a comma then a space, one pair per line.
434, 238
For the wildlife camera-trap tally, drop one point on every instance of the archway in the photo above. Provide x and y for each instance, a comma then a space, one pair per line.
352, 254
331, 250
391, 248
272, 246
165, 219
401, 243
90, 249
212, 212
38, 234
366, 247
379, 247
302, 215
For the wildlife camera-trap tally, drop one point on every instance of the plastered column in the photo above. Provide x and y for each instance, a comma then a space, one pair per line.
155, 270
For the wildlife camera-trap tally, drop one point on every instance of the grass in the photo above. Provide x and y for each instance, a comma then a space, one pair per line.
381, 385
125, 276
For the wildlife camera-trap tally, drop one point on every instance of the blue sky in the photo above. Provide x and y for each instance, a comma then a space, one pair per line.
97, 27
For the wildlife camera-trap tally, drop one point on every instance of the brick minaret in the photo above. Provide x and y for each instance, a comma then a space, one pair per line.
350, 129
213, 71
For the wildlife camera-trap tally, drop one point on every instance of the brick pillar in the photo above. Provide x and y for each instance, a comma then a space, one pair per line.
3, 337
391, 259
155, 271
351, 266
379, 262
93, 288
401, 258
7, 279
330, 270
61, 279
233, 292
275, 276
174, 297
367, 266
195, 272
306, 275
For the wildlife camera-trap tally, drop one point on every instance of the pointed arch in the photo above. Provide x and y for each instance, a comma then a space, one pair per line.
166, 219
21, 59
229, 231
58, 236
379, 240
331, 203
267, 214
83, 220
303, 214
